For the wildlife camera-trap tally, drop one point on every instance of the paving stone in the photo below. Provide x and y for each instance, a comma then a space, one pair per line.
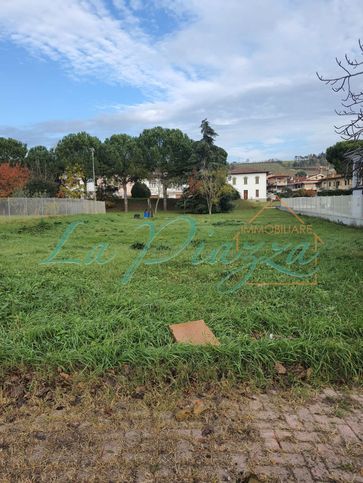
133, 438
255, 405
304, 415
239, 461
143, 475
329, 454
186, 433
184, 452
287, 459
134, 457
306, 436
290, 447
312, 426
280, 473
262, 424
222, 474
322, 419
355, 426
266, 415
347, 434
319, 471
265, 399
319, 409
261, 434
330, 392
345, 476
293, 421
332, 437
270, 440
317, 467
358, 398
280, 424
302, 475
284, 435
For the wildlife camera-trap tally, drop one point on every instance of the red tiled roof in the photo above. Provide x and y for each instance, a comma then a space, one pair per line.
301, 179
247, 171
279, 175
339, 176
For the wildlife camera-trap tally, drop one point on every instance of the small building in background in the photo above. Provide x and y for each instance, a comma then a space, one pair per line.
303, 183
277, 183
156, 189
250, 183
337, 182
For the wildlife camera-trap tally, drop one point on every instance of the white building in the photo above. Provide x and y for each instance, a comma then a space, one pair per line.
250, 183
156, 189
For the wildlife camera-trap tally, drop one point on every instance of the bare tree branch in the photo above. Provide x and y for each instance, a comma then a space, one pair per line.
352, 101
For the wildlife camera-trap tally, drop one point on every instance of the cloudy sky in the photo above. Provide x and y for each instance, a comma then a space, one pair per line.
108, 66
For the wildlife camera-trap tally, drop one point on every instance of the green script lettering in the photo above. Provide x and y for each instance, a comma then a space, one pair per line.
152, 236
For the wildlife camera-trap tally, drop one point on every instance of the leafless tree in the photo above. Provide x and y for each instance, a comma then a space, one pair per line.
352, 107
352, 101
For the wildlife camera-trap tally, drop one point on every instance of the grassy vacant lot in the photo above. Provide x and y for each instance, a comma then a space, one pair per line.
78, 316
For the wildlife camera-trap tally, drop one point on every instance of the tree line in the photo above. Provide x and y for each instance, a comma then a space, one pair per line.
166, 155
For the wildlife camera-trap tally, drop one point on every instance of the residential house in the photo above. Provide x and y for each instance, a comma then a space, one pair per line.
303, 183
316, 177
277, 183
337, 182
249, 182
156, 189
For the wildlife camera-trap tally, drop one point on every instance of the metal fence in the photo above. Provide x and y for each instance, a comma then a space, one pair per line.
346, 209
49, 206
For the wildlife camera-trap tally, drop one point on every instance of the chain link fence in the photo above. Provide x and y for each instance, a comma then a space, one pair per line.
49, 206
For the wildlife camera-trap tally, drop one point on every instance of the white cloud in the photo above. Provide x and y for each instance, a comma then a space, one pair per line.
247, 66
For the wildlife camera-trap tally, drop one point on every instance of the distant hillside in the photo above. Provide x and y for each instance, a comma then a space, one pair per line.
279, 167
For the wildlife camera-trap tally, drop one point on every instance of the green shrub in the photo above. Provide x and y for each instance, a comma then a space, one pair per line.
109, 204
229, 194
140, 190
196, 203
335, 192
287, 193
301, 173
303, 193
39, 187
106, 192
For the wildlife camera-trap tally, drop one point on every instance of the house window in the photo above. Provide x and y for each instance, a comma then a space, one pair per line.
257, 193
345, 182
234, 180
329, 184
257, 180
337, 184
245, 180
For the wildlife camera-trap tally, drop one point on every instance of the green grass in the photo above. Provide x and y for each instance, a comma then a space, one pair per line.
78, 317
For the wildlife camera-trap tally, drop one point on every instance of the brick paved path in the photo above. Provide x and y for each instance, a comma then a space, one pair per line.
235, 437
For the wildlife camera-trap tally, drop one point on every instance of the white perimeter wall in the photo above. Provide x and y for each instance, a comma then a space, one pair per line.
347, 209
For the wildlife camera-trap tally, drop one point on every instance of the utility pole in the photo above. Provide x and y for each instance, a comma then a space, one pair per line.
93, 170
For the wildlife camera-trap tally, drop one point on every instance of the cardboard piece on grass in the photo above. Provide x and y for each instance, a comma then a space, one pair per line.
195, 332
